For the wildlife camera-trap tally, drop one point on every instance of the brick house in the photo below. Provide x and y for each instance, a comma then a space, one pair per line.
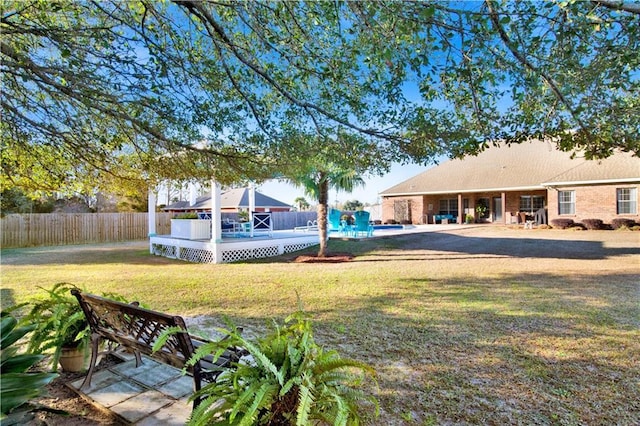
511, 183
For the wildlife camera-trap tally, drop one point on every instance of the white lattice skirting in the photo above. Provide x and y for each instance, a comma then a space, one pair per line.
228, 254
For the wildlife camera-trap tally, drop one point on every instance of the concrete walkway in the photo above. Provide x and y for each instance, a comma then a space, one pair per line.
151, 394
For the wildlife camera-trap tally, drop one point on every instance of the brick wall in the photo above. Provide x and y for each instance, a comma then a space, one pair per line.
592, 202
417, 208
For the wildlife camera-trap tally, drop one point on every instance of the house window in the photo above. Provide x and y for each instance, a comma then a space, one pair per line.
627, 200
449, 206
531, 203
566, 202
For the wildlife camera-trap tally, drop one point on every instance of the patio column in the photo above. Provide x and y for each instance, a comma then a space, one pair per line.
216, 217
193, 194
151, 215
460, 211
504, 207
252, 206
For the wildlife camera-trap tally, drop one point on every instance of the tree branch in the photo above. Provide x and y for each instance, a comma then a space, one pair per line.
495, 20
619, 5
198, 10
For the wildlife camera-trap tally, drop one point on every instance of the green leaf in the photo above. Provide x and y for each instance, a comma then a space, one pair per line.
10, 334
19, 363
305, 402
18, 388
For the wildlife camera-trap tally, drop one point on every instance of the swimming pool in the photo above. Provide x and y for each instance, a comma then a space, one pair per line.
388, 227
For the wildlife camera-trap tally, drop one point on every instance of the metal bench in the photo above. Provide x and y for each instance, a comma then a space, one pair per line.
137, 329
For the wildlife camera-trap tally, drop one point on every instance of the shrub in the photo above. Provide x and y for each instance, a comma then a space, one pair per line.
592, 224
289, 380
17, 386
186, 216
562, 223
618, 223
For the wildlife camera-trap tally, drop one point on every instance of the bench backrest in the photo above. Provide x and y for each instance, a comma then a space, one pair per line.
136, 328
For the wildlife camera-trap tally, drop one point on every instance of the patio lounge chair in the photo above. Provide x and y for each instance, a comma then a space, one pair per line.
228, 226
362, 225
334, 220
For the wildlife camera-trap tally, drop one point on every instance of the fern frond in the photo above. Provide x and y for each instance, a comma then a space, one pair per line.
261, 359
165, 336
261, 398
244, 399
200, 415
294, 381
305, 401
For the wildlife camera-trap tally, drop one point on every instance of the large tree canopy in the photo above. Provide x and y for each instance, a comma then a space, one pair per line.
150, 90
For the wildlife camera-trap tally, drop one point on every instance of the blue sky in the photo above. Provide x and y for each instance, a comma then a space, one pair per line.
369, 194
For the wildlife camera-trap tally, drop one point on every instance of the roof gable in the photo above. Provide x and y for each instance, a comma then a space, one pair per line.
525, 166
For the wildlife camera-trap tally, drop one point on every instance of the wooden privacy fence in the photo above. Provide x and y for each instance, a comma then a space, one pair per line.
52, 229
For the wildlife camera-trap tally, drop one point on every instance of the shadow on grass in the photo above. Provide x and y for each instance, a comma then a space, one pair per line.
531, 348
91, 254
437, 245
539, 348
456, 245
443, 246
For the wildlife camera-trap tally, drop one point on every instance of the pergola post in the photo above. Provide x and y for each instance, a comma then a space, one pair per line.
216, 216
216, 221
193, 193
252, 206
151, 215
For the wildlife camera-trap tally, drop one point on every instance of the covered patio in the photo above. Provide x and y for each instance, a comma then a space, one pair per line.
211, 240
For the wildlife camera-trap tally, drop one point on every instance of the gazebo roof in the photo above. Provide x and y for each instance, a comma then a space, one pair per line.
231, 199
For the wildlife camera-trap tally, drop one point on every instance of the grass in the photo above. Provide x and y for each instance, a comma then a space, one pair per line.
461, 328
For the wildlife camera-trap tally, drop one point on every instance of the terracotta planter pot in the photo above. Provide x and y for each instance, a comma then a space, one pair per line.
73, 359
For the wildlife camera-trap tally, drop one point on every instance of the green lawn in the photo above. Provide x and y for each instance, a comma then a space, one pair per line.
463, 327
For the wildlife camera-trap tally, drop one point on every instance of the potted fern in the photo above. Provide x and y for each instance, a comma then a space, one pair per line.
287, 379
60, 325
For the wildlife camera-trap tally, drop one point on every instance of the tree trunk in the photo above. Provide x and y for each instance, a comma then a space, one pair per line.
323, 202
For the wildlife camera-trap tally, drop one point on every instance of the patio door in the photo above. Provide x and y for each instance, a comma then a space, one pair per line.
497, 209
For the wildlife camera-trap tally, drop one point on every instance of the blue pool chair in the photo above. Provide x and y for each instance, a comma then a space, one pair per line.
362, 225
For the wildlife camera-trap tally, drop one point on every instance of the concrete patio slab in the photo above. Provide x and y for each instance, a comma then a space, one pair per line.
151, 394
139, 406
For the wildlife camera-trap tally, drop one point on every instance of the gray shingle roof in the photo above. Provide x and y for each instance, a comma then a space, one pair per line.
233, 198
525, 166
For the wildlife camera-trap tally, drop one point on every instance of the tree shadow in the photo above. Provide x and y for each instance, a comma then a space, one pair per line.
468, 348
454, 245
